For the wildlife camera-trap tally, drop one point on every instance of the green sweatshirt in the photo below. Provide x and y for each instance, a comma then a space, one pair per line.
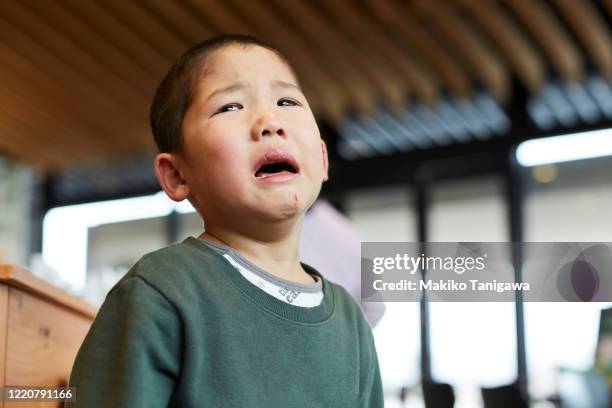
183, 328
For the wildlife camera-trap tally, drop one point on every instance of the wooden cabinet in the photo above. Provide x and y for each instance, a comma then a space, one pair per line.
41, 330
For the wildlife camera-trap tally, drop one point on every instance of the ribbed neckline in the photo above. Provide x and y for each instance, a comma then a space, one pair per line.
310, 315
300, 287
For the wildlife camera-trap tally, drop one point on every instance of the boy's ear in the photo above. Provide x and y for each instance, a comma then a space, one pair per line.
170, 176
325, 161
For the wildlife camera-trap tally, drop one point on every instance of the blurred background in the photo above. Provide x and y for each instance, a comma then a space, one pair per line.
446, 120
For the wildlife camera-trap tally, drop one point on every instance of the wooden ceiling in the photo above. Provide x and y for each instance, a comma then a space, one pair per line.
77, 77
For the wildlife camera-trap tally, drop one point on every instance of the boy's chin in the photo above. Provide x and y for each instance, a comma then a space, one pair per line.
278, 207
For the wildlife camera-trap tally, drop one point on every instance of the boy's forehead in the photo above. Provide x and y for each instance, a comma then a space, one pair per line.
234, 63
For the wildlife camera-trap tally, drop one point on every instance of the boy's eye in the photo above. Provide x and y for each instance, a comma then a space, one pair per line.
229, 107
287, 102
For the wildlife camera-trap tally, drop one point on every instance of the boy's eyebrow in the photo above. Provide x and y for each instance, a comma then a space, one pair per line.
241, 85
283, 84
230, 88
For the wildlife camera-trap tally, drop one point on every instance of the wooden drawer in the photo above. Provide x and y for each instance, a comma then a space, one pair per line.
40, 333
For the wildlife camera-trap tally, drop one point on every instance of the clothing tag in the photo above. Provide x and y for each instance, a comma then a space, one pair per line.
291, 296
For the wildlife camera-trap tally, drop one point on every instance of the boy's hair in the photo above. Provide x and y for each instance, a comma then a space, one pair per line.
177, 90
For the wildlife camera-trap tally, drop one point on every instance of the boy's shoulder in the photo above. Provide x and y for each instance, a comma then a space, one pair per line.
174, 269
348, 307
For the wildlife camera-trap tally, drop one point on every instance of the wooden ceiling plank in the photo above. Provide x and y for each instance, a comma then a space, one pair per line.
32, 146
344, 56
551, 36
330, 95
37, 83
98, 47
519, 53
216, 14
47, 129
50, 122
408, 30
377, 45
452, 28
121, 36
592, 31
8, 147
54, 121
47, 37
146, 25
19, 150
73, 81
179, 20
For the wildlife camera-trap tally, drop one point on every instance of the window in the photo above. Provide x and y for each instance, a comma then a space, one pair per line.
570, 202
472, 344
388, 215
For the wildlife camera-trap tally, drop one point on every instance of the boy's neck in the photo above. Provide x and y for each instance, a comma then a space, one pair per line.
278, 256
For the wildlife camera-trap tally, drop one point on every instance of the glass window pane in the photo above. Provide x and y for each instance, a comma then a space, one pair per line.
388, 215
472, 344
565, 202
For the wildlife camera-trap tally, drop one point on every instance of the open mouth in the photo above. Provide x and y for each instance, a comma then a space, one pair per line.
272, 168
276, 162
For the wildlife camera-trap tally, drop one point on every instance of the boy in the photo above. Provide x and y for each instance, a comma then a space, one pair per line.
232, 318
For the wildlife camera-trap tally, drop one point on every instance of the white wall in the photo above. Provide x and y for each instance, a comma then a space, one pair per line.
15, 208
108, 258
138, 237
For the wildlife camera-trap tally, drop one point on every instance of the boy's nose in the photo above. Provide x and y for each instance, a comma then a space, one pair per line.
267, 125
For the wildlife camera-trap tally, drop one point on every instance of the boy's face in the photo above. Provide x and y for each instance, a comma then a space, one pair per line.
249, 113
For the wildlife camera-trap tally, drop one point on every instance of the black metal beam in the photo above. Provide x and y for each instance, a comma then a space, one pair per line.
515, 200
40, 203
173, 227
481, 158
422, 184
451, 162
